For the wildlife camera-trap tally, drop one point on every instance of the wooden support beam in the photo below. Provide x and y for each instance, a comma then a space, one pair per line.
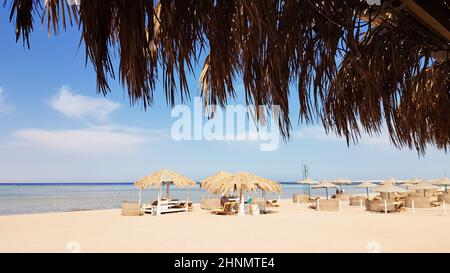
432, 14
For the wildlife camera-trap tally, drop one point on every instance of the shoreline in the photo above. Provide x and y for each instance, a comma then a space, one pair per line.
288, 229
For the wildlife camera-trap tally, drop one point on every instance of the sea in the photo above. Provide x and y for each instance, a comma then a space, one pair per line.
27, 198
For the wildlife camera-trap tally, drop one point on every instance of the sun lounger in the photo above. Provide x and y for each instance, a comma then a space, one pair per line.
183, 205
165, 206
444, 198
226, 210
272, 203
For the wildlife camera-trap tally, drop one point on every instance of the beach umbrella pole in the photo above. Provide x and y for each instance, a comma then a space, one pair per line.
242, 205
158, 212
140, 197
264, 199
187, 201
367, 191
326, 191
445, 207
167, 190
385, 206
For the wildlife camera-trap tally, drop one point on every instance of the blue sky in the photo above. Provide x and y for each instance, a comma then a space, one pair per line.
55, 127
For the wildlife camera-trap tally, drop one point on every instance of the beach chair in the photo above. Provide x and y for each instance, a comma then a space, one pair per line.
274, 203
183, 204
226, 210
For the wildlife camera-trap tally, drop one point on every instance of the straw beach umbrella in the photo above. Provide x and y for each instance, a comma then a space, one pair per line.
308, 182
341, 182
413, 181
241, 182
390, 181
325, 185
214, 178
164, 177
366, 184
444, 181
407, 185
388, 188
424, 186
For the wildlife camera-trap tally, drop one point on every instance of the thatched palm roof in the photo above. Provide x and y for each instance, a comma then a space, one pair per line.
353, 65
159, 177
366, 184
413, 181
341, 181
324, 184
241, 182
307, 181
217, 177
388, 188
390, 181
425, 186
444, 181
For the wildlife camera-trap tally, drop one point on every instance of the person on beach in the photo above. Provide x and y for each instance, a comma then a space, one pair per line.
223, 200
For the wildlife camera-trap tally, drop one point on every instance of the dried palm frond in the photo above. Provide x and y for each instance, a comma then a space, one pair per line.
350, 74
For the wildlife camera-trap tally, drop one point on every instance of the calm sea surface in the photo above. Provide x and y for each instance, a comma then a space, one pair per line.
51, 197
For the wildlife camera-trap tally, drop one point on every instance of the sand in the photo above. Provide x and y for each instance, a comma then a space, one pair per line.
288, 229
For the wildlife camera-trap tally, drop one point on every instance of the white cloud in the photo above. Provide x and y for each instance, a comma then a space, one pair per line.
82, 107
82, 141
4, 107
98, 135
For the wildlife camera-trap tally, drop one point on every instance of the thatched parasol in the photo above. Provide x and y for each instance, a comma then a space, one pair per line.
239, 183
444, 181
326, 185
388, 188
412, 181
164, 177
341, 181
214, 178
390, 181
354, 65
308, 182
408, 185
367, 185
424, 186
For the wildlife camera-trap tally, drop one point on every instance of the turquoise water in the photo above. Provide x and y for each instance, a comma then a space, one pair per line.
46, 197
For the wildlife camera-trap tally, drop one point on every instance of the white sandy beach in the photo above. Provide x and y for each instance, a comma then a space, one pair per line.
289, 229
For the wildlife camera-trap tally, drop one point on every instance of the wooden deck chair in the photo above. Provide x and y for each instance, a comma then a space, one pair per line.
226, 210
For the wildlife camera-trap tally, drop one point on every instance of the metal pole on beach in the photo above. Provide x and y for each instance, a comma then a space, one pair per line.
140, 197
